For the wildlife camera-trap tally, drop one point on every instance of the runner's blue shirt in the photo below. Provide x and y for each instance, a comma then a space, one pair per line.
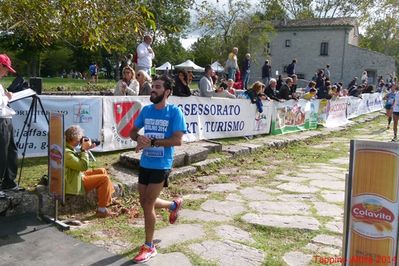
159, 124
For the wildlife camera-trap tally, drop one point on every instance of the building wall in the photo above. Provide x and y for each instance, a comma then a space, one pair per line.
359, 59
305, 47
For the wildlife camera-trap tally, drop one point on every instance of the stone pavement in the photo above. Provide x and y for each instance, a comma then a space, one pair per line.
309, 198
218, 231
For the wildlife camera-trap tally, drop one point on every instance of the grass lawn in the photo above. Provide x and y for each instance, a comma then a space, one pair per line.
69, 84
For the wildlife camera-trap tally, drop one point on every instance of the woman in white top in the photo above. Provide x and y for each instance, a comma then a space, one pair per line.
128, 85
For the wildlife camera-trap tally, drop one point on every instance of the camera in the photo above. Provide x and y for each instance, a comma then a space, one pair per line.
95, 141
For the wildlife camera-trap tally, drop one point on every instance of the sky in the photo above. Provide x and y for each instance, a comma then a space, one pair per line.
195, 34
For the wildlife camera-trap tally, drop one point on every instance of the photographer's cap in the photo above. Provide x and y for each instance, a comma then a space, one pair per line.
6, 61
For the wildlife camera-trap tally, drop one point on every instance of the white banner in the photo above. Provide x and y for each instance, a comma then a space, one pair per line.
78, 110
336, 112
353, 108
213, 118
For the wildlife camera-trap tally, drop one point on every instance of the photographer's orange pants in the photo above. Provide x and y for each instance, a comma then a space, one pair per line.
98, 178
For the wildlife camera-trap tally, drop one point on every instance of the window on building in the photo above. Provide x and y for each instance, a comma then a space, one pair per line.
324, 49
287, 43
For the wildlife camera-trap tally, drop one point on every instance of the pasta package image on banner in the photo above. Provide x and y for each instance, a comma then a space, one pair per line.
371, 218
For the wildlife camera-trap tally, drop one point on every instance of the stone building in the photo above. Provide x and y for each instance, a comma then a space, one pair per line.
318, 42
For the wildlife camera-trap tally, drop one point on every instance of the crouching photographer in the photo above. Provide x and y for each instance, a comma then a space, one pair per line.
79, 179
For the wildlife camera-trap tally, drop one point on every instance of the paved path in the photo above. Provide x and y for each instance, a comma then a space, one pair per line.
241, 214
309, 198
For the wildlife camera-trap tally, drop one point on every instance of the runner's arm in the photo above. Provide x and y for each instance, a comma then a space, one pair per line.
175, 140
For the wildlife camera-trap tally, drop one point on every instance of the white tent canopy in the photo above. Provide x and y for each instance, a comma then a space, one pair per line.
165, 66
217, 67
190, 65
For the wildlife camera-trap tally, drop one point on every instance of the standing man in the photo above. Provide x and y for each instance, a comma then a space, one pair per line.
327, 72
291, 68
206, 88
164, 126
266, 72
8, 150
246, 65
145, 55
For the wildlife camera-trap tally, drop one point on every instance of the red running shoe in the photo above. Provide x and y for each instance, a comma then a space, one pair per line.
145, 254
173, 215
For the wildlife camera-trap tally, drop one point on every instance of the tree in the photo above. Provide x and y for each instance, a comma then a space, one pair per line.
206, 50
219, 21
383, 36
30, 27
172, 18
170, 50
303, 9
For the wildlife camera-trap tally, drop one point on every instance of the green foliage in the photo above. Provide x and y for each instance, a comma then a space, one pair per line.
383, 36
171, 17
55, 60
170, 50
206, 50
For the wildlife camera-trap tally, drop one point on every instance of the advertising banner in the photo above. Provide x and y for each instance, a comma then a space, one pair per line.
371, 211
289, 116
56, 156
353, 107
336, 112
213, 118
312, 114
80, 110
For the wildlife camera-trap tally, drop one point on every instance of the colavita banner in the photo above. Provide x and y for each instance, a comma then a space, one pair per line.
56, 156
110, 118
371, 211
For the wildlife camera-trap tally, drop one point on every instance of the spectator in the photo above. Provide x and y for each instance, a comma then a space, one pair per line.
144, 81
128, 85
294, 84
78, 178
356, 91
190, 76
206, 87
310, 95
364, 77
231, 64
322, 91
271, 90
238, 81
333, 92
310, 85
222, 92
369, 89
230, 87
285, 90
256, 95
352, 83
145, 55
291, 68
327, 72
246, 65
181, 87
280, 82
93, 70
266, 72
8, 151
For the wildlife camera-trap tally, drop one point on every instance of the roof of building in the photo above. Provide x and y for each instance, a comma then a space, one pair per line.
317, 22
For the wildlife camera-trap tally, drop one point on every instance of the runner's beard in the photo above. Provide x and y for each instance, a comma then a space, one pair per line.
156, 99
